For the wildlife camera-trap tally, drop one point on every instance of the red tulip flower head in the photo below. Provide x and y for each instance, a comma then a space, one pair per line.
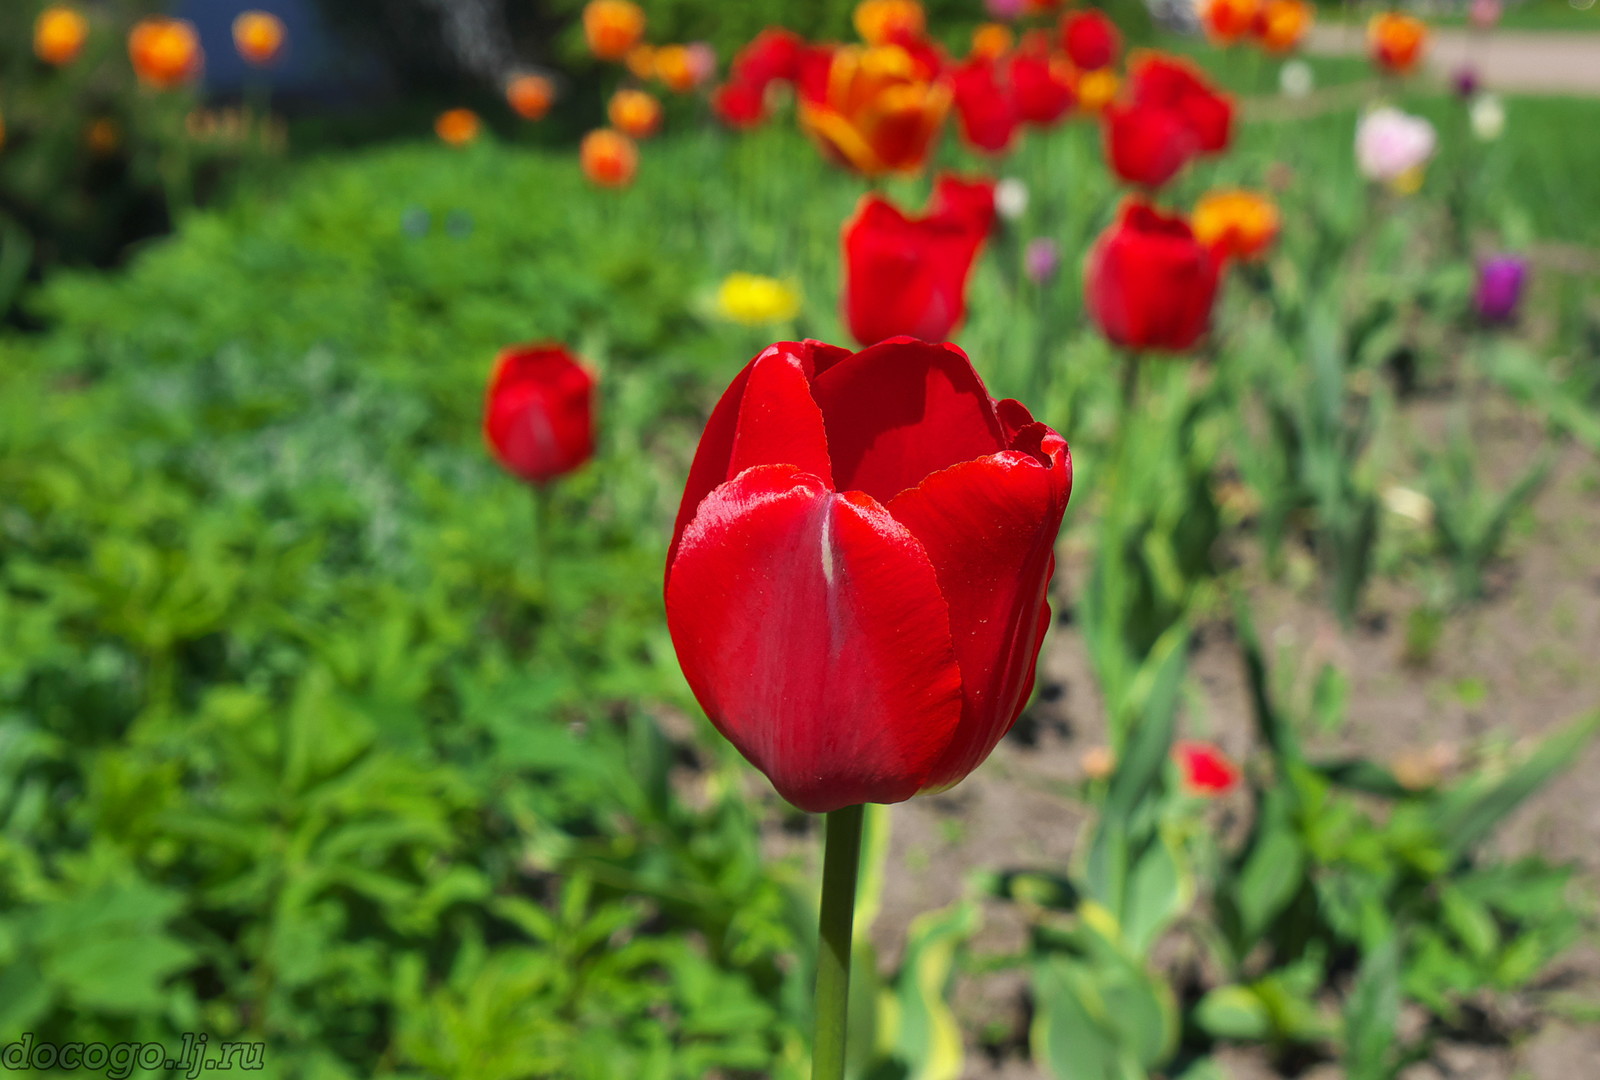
1149, 282
1161, 81
906, 275
856, 585
1045, 86
739, 105
875, 109
984, 105
1147, 145
1090, 38
539, 415
772, 56
1206, 770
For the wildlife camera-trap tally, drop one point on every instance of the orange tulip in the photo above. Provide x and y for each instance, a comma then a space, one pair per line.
612, 27
59, 34
1236, 224
458, 127
1396, 41
885, 22
1282, 24
258, 36
634, 113
641, 61
1228, 21
1097, 89
674, 65
992, 41
874, 110
609, 158
530, 96
165, 52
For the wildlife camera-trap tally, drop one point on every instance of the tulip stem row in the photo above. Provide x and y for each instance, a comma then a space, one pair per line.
841, 861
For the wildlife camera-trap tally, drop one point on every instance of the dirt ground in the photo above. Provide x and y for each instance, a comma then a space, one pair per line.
1518, 61
1517, 665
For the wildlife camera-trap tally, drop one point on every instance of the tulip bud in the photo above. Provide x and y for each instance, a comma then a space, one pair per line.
1465, 81
1011, 198
539, 413
1042, 259
1501, 279
1205, 769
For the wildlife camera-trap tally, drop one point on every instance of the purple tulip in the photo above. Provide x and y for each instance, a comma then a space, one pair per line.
1500, 282
1466, 81
1042, 259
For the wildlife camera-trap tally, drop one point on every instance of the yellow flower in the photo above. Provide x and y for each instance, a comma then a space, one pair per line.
59, 34
1096, 89
755, 300
1408, 182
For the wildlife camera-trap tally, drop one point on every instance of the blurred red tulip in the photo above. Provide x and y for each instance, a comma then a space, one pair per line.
907, 275
1396, 41
539, 414
1146, 144
772, 56
992, 40
1045, 85
1163, 81
530, 96
634, 113
889, 22
457, 127
1091, 39
739, 104
1206, 769
985, 107
608, 158
1228, 21
1149, 284
876, 110
857, 582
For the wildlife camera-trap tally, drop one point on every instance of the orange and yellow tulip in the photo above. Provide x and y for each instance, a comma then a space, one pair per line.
991, 41
59, 34
1396, 41
1282, 24
886, 22
165, 52
674, 65
608, 158
1236, 224
876, 110
259, 36
530, 96
458, 127
612, 27
634, 113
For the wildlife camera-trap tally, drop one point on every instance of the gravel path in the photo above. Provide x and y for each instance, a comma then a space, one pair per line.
1527, 61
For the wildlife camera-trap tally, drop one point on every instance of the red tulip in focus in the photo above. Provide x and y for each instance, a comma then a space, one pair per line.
909, 275
1045, 86
984, 105
1149, 283
1227, 22
739, 104
1206, 769
539, 414
857, 582
876, 110
1163, 81
1090, 38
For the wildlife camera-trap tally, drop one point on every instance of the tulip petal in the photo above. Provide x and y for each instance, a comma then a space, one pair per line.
901, 410
811, 629
745, 411
990, 526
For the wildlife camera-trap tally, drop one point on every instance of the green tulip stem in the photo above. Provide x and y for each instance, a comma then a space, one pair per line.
541, 540
841, 862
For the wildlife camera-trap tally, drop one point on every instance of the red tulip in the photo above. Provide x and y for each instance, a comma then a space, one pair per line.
739, 104
1149, 282
857, 582
539, 415
1206, 769
1091, 39
1045, 86
772, 56
985, 106
1147, 144
909, 275
1161, 81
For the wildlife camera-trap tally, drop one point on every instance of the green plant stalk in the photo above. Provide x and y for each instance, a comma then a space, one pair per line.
541, 539
841, 862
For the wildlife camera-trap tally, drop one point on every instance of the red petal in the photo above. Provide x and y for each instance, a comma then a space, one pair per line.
810, 627
989, 526
714, 457
901, 410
